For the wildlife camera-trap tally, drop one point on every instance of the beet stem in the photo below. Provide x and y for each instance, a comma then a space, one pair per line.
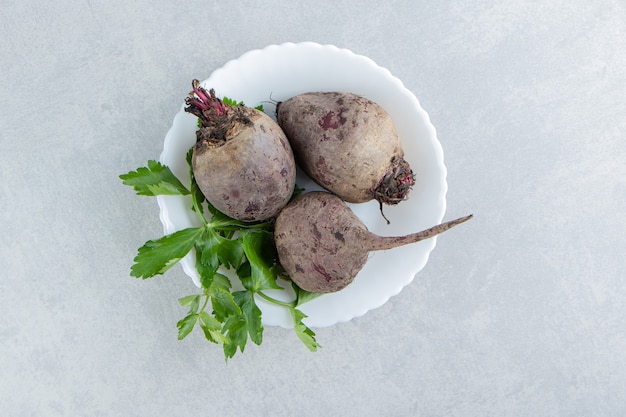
205, 105
376, 243
200, 92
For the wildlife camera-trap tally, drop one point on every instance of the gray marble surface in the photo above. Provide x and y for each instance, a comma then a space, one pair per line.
520, 313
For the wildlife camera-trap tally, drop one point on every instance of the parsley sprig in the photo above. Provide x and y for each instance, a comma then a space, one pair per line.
226, 316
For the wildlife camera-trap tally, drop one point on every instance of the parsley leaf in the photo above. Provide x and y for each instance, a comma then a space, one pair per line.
221, 281
193, 301
156, 179
304, 333
216, 250
236, 332
303, 296
252, 315
246, 248
258, 247
186, 325
211, 328
224, 304
207, 272
157, 256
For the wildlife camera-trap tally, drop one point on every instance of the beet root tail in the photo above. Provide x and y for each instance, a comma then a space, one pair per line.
384, 242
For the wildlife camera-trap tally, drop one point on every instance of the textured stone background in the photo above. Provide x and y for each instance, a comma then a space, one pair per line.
520, 313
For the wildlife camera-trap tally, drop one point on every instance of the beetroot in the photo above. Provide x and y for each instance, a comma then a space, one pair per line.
242, 161
348, 145
322, 244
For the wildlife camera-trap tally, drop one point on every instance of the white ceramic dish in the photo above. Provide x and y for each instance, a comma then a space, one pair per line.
279, 72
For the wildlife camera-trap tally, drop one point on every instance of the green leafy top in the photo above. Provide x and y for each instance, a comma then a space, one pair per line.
230, 102
226, 316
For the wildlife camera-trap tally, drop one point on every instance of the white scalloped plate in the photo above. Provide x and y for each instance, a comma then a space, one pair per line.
279, 72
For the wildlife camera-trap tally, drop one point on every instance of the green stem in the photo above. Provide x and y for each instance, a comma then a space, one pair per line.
197, 209
206, 301
273, 300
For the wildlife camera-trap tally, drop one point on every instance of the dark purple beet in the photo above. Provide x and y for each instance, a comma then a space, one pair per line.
322, 244
348, 144
242, 160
